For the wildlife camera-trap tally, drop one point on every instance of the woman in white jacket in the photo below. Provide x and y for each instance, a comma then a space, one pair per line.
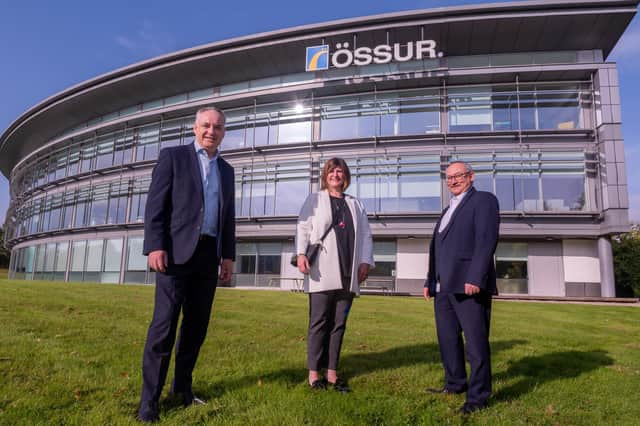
334, 277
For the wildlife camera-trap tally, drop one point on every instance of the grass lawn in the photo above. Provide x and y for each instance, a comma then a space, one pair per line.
71, 354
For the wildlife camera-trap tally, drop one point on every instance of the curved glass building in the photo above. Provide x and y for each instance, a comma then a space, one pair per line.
522, 91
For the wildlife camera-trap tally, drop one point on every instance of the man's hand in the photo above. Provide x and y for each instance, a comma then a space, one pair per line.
425, 294
226, 270
363, 272
158, 260
470, 289
303, 264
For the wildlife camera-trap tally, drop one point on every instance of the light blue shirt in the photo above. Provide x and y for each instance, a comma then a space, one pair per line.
453, 203
211, 188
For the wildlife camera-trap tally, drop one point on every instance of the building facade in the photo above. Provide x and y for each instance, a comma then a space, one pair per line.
522, 91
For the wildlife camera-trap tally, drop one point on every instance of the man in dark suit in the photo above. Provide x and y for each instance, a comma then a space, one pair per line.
462, 278
189, 231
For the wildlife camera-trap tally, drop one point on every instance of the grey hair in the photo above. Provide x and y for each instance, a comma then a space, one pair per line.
212, 108
467, 166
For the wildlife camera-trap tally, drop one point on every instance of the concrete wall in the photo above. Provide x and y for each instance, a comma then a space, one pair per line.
546, 269
580, 261
581, 268
411, 264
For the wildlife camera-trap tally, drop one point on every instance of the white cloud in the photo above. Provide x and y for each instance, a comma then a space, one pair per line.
126, 42
147, 40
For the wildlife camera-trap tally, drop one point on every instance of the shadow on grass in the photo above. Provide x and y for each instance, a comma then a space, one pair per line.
352, 365
534, 370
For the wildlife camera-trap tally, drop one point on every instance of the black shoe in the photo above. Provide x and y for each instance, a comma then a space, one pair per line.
148, 412
186, 398
468, 408
445, 391
319, 384
340, 386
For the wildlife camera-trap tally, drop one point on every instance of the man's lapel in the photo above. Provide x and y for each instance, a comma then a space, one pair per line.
195, 172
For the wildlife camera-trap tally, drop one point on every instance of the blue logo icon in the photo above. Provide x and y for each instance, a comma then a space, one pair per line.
317, 58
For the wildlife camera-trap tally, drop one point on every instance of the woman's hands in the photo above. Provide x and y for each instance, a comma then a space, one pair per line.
363, 272
303, 264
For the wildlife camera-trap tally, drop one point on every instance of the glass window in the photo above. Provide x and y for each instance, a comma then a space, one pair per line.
409, 113
29, 262
49, 260
247, 264
290, 194
112, 261
157, 103
558, 107
246, 259
177, 99
396, 185
73, 165
104, 157
60, 268
349, 118
294, 125
136, 261
82, 204
201, 94
511, 268
123, 147
470, 61
171, 134
67, 218
39, 263
229, 89
384, 256
235, 129
147, 146
78, 254
99, 206
94, 260
61, 165
88, 156
269, 255
470, 109
563, 191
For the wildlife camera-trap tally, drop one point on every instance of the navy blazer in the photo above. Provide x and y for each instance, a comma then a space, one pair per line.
467, 246
175, 206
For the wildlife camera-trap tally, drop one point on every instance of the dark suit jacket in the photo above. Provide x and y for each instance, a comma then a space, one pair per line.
468, 244
175, 206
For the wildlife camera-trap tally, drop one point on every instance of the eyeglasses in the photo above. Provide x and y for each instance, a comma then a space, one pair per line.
457, 176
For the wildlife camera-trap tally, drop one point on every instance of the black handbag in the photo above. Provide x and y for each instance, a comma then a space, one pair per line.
312, 251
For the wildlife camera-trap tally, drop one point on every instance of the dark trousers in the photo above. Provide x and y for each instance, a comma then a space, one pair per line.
189, 288
328, 312
456, 314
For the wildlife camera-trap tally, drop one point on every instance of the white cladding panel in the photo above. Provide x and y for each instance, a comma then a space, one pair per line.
413, 259
581, 262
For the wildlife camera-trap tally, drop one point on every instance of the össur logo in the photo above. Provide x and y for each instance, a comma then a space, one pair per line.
318, 56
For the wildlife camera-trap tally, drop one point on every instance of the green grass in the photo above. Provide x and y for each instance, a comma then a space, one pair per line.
71, 354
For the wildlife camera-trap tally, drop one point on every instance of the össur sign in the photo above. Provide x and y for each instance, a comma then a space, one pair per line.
319, 57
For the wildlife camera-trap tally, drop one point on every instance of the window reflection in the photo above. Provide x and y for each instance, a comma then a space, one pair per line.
511, 268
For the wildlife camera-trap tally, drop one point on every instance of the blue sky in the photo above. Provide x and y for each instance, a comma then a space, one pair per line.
48, 46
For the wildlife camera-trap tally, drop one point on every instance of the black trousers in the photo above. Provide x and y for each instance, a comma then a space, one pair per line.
187, 288
456, 314
328, 312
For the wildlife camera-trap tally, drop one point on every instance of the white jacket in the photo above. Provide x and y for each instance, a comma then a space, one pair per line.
315, 218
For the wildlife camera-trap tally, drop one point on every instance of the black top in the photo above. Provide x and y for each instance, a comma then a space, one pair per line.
345, 234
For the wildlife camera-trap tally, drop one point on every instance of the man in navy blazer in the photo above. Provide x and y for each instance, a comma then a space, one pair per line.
189, 232
462, 278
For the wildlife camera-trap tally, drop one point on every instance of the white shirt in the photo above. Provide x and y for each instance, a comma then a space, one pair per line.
453, 203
